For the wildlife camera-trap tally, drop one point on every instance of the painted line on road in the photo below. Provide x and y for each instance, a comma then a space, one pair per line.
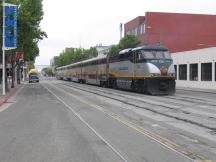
90, 127
156, 137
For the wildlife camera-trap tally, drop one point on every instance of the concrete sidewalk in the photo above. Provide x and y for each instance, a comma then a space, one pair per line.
213, 91
12, 91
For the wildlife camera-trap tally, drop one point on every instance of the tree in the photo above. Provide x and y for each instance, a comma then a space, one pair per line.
129, 41
90, 53
114, 50
29, 31
30, 65
73, 55
30, 14
48, 71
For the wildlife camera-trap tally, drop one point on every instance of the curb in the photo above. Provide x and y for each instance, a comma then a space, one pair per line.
10, 94
197, 90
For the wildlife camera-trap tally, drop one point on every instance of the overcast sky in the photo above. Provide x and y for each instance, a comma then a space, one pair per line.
86, 23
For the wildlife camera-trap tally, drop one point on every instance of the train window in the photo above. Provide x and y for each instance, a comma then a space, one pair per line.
124, 57
148, 54
102, 61
156, 55
127, 56
194, 72
167, 55
140, 57
206, 71
215, 71
183, 72
159, 54
114, 58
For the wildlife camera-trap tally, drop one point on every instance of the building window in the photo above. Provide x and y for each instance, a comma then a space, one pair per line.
206, 71
175, 67
128, 33
183, 72
135, 31
142, 28
194, 72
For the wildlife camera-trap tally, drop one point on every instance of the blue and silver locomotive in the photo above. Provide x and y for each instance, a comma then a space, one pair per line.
147, 69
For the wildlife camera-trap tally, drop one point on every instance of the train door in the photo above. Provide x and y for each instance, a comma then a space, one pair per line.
135, 56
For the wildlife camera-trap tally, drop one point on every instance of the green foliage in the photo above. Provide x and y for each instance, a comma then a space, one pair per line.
73, 55
30, 14
31, 65
114, 50
48, 71
29, 32
129, 41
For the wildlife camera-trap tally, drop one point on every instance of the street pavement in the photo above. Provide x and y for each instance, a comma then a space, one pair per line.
37, 127
50, 122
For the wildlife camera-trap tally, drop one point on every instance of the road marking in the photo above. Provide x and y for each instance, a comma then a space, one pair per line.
156, 137
91, 128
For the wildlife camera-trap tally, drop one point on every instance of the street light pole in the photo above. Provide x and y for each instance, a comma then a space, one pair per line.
3, 50
121, 29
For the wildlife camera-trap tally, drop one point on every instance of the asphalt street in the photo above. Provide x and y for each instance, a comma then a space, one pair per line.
51, 121
38, 127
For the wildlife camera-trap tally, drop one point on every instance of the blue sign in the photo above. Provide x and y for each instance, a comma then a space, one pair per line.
11, 26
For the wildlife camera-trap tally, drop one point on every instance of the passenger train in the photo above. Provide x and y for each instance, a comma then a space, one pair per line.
147, 69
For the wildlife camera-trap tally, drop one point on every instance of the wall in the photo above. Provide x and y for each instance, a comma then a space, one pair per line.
133, 23
178, 32
196, 56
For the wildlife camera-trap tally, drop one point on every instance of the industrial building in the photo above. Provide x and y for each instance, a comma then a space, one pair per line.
191, 39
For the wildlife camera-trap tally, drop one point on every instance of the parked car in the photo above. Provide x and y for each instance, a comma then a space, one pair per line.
33, 78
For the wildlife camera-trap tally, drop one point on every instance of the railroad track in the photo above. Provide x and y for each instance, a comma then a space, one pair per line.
155, 104
185, 99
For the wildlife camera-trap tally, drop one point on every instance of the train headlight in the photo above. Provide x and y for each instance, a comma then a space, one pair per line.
171, 75
163, 70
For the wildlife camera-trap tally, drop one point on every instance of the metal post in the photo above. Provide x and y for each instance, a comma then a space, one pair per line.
3, 51
120, 28
20, 75
15, 77
23, 79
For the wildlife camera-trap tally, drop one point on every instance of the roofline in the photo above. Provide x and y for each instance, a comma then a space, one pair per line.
198, 14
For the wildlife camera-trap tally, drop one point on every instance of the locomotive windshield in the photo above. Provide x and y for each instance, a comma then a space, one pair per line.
155, 54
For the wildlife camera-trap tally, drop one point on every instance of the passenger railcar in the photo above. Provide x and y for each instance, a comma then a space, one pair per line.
147, 69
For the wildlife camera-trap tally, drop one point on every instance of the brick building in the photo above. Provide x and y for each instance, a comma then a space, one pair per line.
191, 39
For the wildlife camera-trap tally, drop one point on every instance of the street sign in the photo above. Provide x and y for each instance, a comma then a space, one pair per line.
9, 36
10, 26
20, 55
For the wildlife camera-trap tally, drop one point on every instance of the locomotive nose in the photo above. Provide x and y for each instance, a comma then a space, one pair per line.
163, 70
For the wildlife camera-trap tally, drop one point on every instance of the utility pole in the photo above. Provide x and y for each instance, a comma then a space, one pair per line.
121, 29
